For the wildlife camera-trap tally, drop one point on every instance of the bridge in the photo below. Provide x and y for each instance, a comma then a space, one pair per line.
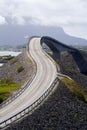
57, 47
44, 81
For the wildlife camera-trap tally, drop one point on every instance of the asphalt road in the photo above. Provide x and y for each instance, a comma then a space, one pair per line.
46, 73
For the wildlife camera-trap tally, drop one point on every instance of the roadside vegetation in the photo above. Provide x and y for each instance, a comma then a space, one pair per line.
20, 68
14, 74
4, 59
14, 60
75, 88
7, 86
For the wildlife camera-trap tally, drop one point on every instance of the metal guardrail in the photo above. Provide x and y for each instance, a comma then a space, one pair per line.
63, 75
22, 89
51, 60
30, 108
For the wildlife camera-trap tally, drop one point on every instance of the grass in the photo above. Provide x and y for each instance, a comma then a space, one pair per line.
4, 96
6, 87
75, 88
20, 68
4, 59
14, 60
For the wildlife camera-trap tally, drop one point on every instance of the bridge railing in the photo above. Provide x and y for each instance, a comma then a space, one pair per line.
23, 88
30, 108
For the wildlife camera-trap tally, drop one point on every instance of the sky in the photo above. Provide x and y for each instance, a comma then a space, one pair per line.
71, 15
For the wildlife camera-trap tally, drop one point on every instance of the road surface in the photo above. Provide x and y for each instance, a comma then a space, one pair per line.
46, 73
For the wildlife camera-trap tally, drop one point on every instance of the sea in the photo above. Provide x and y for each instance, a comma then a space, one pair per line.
5, 53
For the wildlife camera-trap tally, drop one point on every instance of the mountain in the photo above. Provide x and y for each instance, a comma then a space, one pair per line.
18, 35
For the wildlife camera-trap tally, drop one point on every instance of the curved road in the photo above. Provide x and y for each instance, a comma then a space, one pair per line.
46, 73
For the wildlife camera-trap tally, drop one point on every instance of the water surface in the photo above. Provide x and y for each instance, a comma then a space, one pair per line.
4, 53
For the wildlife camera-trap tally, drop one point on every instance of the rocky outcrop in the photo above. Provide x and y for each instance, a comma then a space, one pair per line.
9, 69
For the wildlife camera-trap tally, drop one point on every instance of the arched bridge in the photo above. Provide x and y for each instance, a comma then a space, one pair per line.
58, 47
44, 80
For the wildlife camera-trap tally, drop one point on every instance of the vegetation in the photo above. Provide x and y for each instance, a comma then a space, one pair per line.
20, 68
75, 89
4, 59
4, 96
14, 60
6, 87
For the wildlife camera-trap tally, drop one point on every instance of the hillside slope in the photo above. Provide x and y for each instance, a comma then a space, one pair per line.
10, 69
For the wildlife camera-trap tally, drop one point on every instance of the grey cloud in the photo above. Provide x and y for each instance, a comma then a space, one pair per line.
2, 20
64, 13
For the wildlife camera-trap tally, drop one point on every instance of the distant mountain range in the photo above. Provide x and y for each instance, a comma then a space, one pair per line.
18, 35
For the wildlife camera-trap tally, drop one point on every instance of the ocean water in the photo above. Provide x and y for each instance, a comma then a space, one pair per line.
4, 53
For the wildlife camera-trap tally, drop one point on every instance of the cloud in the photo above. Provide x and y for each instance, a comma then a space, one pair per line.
18, 20
47, 12
2, 20
68, 14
